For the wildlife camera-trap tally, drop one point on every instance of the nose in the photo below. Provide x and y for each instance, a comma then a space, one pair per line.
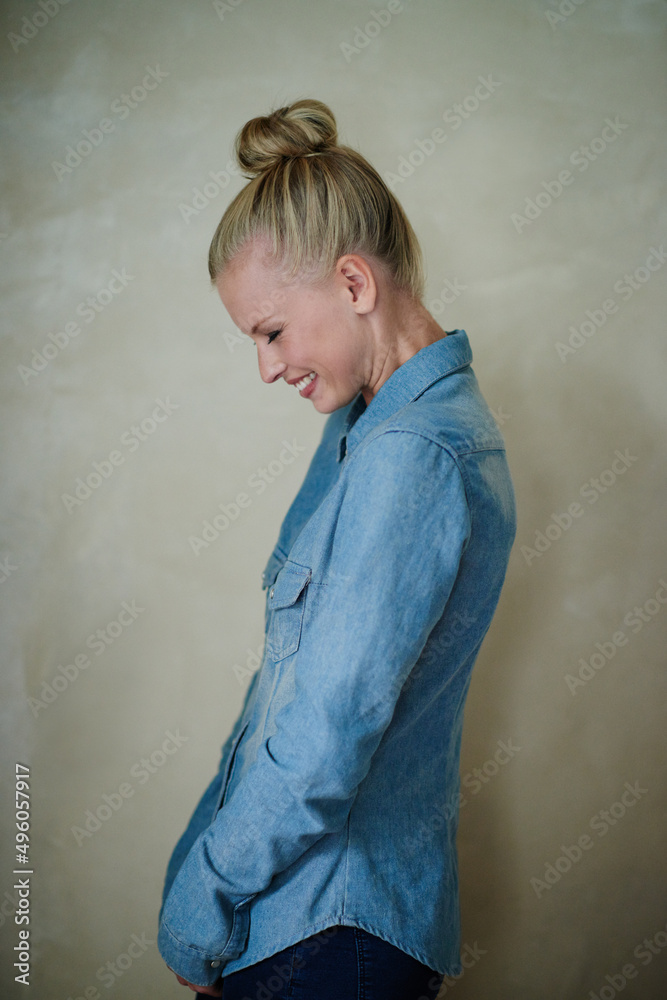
269, 371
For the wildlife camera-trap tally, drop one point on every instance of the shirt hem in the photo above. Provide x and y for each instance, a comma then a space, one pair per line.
346, 920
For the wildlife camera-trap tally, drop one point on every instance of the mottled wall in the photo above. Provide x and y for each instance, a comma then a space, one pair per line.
540, 205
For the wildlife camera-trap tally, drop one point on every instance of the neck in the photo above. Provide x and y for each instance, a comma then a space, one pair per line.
408, 327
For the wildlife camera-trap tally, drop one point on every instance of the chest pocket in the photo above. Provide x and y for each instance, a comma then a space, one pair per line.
285, 605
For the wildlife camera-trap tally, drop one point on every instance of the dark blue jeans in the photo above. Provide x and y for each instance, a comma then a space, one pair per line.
339, 963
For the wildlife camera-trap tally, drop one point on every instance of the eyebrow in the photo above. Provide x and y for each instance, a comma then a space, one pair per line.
259, 323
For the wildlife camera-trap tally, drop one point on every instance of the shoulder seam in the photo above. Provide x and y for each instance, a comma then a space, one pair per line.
456, 454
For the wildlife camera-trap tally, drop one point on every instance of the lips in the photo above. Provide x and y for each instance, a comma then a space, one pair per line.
311, 385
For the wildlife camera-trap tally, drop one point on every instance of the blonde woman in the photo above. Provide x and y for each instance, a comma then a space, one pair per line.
321, 861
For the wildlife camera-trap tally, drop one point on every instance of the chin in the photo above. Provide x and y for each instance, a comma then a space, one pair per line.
325, 407
331, 403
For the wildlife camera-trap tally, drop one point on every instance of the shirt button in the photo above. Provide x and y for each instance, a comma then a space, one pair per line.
271, 594
214, 965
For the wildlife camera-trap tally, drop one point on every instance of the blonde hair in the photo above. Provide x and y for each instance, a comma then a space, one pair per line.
314, 201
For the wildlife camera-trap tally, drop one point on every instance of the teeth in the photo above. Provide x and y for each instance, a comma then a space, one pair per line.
306, 380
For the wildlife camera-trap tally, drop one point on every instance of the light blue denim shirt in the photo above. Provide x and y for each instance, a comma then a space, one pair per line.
336, 800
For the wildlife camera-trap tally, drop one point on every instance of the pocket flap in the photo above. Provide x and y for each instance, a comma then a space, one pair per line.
288, 585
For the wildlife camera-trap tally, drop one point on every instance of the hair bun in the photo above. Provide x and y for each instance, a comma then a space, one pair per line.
304, 127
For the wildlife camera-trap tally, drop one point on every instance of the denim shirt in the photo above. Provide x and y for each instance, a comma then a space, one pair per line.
337, 795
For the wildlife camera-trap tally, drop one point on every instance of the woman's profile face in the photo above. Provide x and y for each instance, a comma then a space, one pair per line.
302, 329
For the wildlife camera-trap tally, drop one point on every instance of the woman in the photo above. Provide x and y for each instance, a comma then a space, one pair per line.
321, 861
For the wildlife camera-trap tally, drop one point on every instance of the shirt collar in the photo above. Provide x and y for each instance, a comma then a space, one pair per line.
410, 380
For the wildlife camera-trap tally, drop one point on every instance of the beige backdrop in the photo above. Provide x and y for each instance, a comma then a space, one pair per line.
526, 142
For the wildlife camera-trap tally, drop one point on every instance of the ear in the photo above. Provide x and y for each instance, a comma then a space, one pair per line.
356, 280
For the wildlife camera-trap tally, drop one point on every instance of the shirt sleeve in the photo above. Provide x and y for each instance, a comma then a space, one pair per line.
201, 817
401, 529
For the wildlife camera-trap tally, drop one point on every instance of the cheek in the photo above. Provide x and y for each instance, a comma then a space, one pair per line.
338, 351
335, 365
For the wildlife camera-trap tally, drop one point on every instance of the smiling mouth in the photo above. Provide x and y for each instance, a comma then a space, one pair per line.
306, 380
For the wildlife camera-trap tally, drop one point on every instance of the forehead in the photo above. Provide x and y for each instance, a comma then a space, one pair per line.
251, 288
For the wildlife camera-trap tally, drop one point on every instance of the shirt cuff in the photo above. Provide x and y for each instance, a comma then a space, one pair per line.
188, 961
